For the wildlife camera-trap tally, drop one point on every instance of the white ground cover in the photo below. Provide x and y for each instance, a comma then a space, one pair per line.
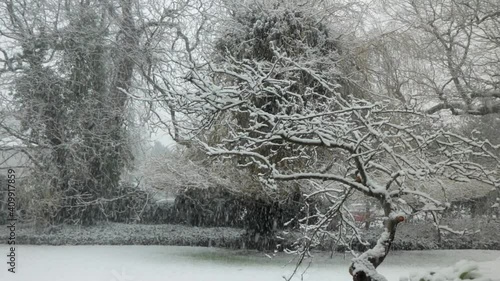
151, 263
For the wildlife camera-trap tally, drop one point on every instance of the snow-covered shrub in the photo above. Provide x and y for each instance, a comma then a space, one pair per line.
261, 216
463, 270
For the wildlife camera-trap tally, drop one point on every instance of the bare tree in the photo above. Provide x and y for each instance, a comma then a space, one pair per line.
68, 71
281, 98
446, 53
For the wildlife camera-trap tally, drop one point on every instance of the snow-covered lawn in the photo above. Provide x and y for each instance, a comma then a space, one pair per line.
151, 263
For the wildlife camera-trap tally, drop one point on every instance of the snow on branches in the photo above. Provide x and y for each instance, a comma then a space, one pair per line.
288, 129
264, 110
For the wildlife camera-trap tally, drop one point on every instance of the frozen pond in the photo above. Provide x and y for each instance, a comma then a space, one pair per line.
151, 263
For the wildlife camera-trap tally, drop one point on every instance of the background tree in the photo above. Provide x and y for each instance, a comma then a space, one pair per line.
69, 71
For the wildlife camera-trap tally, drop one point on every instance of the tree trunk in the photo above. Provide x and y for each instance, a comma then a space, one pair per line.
363, 268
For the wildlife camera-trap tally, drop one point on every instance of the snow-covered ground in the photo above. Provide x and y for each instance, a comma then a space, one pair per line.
151, 263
